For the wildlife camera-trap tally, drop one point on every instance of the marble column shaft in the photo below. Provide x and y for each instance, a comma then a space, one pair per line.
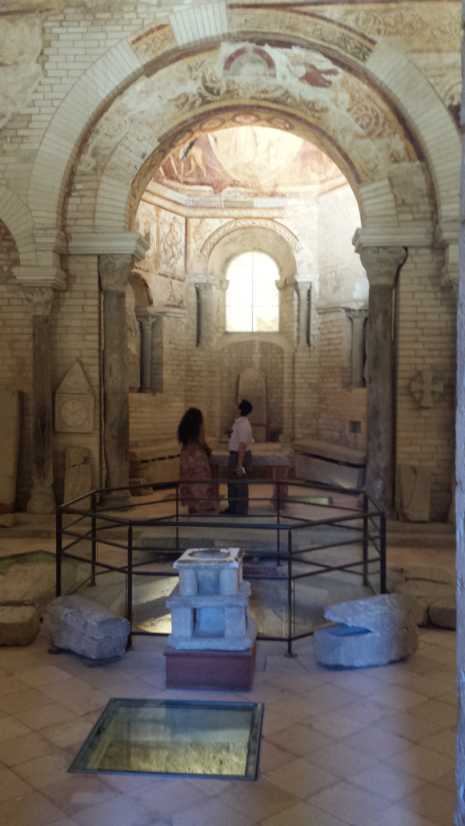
303, 289
114, 276
42, 499
357, 319
146, 321
207, 313
382, 265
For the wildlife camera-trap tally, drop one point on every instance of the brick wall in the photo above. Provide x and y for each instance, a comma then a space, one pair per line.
16, 354
339, 403
426, 338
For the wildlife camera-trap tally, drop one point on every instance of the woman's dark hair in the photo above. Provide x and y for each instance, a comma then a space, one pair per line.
190, 426
245, 407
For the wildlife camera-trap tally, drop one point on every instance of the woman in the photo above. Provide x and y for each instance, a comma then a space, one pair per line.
197, 489
240, 460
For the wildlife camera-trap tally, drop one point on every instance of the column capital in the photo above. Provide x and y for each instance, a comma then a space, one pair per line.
147, 315
114, 271
382, 263
40, 299
302, 286
204, 285
355, 313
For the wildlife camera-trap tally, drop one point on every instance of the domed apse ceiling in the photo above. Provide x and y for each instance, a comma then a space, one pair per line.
258, 159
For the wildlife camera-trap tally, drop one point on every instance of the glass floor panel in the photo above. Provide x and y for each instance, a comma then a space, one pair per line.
174, 737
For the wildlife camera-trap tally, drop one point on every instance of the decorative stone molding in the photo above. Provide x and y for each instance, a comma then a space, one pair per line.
108, 243
41, 277
427, 388
246, 223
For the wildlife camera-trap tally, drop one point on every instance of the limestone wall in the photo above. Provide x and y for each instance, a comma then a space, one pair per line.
426, 352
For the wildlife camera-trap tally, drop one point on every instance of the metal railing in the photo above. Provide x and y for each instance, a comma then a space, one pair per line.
287, 523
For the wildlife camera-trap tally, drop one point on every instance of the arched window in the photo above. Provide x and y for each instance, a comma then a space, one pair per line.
252, 298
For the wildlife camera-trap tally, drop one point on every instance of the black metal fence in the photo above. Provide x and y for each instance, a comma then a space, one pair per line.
282, 538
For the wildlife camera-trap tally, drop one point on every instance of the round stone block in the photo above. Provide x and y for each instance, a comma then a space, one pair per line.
383, 614
443, 613
19, 624
343, 646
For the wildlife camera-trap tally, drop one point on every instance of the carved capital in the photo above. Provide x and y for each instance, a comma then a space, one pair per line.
381, 264
114, 271
204, 286
302, 288
40, 299
356, 314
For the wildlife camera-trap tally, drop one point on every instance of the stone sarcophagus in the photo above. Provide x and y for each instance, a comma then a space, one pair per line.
212, 643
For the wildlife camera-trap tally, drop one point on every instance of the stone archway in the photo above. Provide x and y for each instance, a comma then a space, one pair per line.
136, 80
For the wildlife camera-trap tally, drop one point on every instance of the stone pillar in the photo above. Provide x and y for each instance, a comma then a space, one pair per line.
146, 320
114, 273
304, 292
207, 313
357, 319
381, 265
42, 499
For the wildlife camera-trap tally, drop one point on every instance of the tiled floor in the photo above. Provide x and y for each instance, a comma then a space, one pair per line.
361, 748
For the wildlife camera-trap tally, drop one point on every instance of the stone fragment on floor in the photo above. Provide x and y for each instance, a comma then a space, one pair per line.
443, 613
79, 625
19, 624
428, 585
368, 632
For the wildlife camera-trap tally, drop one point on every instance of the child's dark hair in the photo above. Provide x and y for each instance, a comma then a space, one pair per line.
190, 426
245, 407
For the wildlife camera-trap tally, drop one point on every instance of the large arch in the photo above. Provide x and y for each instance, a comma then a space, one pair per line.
400, 81
17, 217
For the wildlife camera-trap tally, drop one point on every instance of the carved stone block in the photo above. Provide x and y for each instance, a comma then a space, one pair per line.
75, 403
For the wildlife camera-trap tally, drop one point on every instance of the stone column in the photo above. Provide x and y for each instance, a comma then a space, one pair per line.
207, 313
42, 499
114, 273
357, 319
304, 292
146, 320
381, 265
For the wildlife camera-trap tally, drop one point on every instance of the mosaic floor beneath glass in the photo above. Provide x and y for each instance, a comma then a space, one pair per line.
177, 737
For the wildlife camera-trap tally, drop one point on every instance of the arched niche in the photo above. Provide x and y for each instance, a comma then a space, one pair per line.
250, 238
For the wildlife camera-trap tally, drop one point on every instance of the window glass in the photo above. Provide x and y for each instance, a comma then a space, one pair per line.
252, 298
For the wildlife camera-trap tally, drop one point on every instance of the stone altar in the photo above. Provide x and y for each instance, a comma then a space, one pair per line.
212, 643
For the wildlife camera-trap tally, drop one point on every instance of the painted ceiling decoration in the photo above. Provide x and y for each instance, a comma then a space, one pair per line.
258, 158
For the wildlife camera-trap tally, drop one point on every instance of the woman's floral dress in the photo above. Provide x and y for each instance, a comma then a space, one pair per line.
197, 489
